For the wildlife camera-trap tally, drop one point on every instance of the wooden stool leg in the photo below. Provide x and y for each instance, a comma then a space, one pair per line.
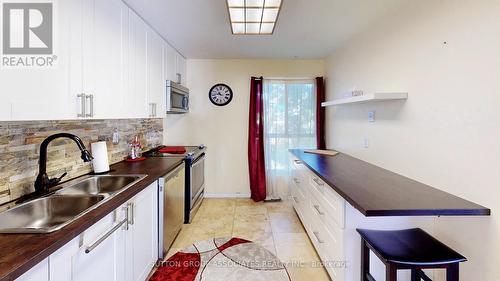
415, 276
391, 273
365, 260
452, 272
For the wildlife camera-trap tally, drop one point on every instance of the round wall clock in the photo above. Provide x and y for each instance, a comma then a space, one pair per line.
220, 94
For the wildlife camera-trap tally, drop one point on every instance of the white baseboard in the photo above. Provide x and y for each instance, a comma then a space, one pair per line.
227, 195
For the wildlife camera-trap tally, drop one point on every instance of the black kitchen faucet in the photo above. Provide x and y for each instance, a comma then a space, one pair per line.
43, 183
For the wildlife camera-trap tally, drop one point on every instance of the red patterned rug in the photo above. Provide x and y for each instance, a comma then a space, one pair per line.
228, 259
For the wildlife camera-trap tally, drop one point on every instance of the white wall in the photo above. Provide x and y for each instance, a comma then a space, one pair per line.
447, 134
224, 130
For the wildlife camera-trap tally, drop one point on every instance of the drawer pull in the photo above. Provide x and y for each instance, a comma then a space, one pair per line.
296, 180
316, 234
297, 162
318, 210
316, 180
109, 233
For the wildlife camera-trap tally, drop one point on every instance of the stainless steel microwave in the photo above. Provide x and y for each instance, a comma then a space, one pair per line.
177, 98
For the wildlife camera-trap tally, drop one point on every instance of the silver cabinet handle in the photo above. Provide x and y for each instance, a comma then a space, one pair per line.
316, 180
179, 78
151, 110
91, 106
109, 233
316, 234
130, 206
297, 161
296, 180
82, 104
318, 210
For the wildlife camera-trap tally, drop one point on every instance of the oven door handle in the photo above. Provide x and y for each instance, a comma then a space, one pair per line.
198, 160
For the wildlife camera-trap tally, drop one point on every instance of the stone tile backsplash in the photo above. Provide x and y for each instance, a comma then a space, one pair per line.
20, 142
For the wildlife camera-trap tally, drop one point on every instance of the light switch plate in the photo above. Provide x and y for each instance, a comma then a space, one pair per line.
371, 116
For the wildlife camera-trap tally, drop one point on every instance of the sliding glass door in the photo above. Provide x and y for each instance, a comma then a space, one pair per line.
289, 122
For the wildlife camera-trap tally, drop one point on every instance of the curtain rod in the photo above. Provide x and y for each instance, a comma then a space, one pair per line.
290, 78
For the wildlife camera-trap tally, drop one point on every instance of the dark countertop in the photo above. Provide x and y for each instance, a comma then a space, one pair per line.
378, 192
20, 252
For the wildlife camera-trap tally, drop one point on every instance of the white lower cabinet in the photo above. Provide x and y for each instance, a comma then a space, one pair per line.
39, 272
331, 223
121, 246
142, 237
322, 216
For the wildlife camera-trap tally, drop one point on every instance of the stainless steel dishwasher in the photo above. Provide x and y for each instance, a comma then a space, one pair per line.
170, 208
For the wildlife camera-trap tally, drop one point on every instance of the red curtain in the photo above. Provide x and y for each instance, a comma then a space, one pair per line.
320, 113
256, 163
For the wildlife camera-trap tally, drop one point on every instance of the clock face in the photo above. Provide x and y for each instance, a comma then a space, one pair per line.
220, 94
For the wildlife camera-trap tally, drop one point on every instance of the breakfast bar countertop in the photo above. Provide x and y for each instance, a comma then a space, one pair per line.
20, 252
375, 191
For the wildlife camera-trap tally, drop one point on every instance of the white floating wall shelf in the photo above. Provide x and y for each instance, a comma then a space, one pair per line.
367, 98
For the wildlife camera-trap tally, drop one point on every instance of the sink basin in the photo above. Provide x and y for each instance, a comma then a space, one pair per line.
94, 185
47, 214
72, 200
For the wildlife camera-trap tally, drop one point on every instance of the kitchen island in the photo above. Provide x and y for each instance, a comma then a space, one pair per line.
335, 195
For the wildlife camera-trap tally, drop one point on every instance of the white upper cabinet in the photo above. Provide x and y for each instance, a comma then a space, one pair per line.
156, 82
170, 63
137, 100
180, 69
109, 64
105, 57
48, 93
175, 65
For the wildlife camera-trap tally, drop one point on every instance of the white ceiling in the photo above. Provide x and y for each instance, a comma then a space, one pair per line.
305, 28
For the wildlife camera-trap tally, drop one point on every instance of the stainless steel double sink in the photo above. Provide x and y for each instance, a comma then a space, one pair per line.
69, 202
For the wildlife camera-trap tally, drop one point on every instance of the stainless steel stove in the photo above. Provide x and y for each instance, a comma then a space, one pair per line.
194, 158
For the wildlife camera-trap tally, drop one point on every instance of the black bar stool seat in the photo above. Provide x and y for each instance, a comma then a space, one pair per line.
411, 249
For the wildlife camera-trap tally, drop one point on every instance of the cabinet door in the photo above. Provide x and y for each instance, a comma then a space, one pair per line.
48, 93
142, 238
61, 261
105, 38
39, 272
181, 69
156, 81
137, 101
170, 63
107, 260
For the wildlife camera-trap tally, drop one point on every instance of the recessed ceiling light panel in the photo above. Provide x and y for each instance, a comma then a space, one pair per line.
253, 17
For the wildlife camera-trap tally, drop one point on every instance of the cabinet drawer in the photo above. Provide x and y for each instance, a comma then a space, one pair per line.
329, 201
299, 201
328, 243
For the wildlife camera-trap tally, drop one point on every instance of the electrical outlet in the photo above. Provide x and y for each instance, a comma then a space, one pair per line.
366, 142
371, 116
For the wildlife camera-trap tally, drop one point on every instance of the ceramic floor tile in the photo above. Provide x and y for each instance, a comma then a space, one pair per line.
280, 207
192, 233
285, 223
294, 253
249, 209
249, 223
308, 274
214, 224
275, 226
292, 238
